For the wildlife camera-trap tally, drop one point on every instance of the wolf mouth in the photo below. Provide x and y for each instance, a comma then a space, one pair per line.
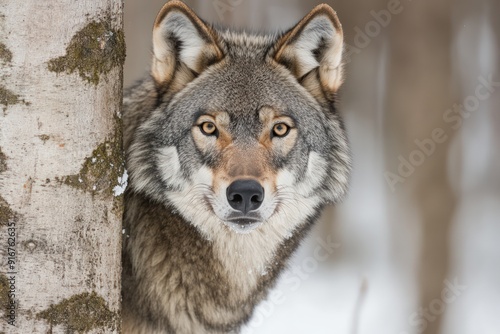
243, 225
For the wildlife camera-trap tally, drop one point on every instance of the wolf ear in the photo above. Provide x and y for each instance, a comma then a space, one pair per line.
314, 44
181, 42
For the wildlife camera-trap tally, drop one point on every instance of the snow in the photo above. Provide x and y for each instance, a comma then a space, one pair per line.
122, 185
323, 299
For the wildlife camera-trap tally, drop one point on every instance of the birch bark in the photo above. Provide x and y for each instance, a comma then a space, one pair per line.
61, 166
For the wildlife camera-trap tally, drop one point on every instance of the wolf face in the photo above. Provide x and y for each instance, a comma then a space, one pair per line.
244, 134
233, 147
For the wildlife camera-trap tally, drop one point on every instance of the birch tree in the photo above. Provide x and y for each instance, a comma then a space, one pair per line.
61, 166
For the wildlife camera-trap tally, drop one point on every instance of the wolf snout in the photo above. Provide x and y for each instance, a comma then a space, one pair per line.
245, 195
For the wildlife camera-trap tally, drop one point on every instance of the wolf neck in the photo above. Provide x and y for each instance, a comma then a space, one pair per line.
248, 258
252, 261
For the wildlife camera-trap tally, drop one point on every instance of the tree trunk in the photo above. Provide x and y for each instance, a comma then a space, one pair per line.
419, 93
61, 166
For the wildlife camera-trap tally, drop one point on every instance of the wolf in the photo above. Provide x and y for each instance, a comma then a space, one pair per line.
234, 145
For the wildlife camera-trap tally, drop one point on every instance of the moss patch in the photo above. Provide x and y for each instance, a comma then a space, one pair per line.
100, 171
5, 54
81, 314
44, 138
6, 213
8, 98
3, 162
4, 293
92, 52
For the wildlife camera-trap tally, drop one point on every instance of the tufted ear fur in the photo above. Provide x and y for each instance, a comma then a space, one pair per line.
314, 46
183, 45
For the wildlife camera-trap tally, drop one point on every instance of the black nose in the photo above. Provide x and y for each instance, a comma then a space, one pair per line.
245, 195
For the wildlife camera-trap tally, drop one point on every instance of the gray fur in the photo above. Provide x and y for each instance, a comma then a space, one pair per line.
181, 273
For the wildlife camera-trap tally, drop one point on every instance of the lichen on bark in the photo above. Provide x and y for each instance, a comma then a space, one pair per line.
3, 161
8, 98
4, 293
81, 314
100, 172
6, 213
44, 138
5, 54
93, 51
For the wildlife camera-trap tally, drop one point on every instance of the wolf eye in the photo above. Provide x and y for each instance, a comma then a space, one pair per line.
208, 129
280, 130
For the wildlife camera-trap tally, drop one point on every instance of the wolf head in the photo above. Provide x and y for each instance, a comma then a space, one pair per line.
245, 131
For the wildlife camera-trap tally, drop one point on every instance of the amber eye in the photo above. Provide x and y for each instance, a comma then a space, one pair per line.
208, 129
280, 130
